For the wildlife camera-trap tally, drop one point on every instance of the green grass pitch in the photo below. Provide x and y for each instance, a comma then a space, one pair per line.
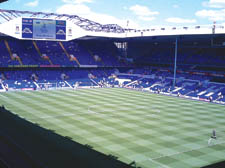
152, 130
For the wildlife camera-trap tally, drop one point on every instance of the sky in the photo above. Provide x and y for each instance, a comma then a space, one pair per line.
139, 14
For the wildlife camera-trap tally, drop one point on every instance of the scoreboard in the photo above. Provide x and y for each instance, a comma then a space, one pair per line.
33, 28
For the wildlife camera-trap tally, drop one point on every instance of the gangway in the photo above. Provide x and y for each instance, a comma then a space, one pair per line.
11, 54
36, 84
39, 52
3, 87
68, 84
133, 82
67, 54
94, 82
8, 48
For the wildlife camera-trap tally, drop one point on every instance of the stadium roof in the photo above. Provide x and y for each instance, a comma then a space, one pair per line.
201, 38
113, 30
86, 24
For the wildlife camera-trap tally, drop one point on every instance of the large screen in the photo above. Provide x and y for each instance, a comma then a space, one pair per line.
43, 29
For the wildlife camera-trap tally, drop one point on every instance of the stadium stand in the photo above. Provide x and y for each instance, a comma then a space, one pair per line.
72, 53
103, 52
199, 47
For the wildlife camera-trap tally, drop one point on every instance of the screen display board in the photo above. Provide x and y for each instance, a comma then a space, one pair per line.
43, 29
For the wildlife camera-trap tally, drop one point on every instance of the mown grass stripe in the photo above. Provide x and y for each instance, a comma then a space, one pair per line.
130, 124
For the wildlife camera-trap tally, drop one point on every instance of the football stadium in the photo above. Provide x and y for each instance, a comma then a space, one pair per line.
109, 96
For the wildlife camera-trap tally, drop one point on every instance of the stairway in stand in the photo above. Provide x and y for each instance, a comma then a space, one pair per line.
11, 54
67, 54
39, 52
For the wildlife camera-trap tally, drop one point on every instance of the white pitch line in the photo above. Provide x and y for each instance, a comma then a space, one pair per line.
4, 96
63, 115
177, 153
162, 165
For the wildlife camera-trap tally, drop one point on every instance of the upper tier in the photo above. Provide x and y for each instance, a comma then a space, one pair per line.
74, 53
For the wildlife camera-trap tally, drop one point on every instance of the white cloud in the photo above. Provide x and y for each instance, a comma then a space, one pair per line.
125, 8
176, 6
142, 11
214, 3
212, 15
144, 18
32, 4
77, 1
78, 9
180, 20
85, 12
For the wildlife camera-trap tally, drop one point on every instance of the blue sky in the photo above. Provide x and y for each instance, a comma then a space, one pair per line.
140, 13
